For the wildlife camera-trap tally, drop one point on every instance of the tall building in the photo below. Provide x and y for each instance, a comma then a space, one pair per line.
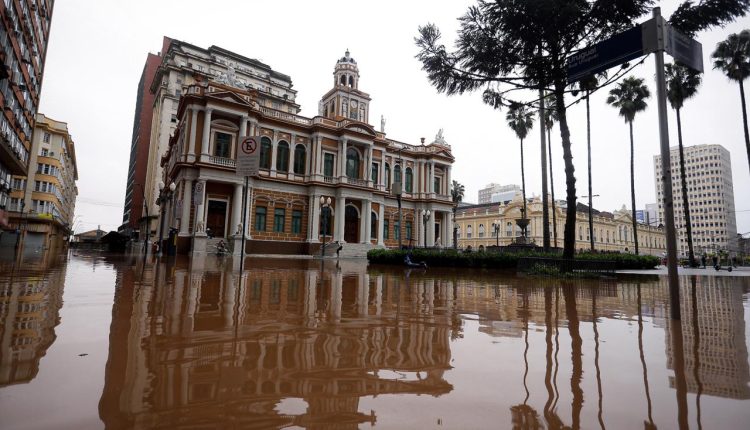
652, 214
708, 171
43, 201
133, 212
24, 32
165, 78
494, 193
336, 154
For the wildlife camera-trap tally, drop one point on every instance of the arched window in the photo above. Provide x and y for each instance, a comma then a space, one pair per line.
343, 80
265, 153
299, 159
351, 81
509, 229
468, 232
397, 173
352, 163
408, 182
481, 230
458, 232
373, 225
282, 156
481, 248
387, 176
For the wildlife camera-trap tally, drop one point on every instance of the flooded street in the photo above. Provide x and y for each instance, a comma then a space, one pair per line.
112, 342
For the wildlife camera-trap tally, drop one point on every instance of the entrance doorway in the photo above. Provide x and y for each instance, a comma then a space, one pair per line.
351, 225
216, 217
437, 235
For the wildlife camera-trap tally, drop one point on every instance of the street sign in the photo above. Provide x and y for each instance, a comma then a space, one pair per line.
248, 157
606, 54
684, 49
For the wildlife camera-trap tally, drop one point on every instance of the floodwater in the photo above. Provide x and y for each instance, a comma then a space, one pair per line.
112, 342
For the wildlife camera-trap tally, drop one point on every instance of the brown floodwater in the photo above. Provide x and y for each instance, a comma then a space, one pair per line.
110, 342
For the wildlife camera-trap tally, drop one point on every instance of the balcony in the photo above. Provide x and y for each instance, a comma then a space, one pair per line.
10, 155
218, 161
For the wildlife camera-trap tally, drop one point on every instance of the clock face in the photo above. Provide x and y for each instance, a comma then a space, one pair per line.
354, 104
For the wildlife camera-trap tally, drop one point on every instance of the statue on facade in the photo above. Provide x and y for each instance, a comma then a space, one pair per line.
382, 124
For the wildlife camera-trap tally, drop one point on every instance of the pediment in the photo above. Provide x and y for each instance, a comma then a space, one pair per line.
361, 127
228, 96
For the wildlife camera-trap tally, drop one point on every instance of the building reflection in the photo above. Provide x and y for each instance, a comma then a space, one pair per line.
195, 346
30, 301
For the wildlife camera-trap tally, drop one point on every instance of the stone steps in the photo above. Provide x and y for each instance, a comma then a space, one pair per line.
357, 250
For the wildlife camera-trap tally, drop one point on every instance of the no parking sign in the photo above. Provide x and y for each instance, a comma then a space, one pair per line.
248, 157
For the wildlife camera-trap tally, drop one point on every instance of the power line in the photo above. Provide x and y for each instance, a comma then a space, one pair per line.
95, 202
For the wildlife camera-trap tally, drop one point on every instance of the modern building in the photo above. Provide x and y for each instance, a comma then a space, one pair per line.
24, 32
133, 212
43, 200
495, 193
652, 214
336, 155
708, 170
492, 224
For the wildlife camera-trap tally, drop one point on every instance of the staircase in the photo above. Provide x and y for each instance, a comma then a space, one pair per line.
357, 250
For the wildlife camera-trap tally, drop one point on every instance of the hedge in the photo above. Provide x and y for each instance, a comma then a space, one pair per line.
498, 260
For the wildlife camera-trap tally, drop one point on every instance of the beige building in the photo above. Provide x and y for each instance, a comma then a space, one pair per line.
42, 202
612, 231
708, 170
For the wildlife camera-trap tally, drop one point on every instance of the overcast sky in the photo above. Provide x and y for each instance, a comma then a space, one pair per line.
97, 50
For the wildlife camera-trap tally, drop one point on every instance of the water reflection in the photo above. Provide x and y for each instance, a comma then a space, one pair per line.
292, 343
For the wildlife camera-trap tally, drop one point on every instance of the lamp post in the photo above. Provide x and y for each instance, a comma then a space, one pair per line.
397, 189
165, 195
325, 212
425, 217
496, 228
455, 235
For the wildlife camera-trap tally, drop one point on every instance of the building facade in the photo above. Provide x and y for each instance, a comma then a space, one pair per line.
492, 224
24, 32
336, 155
708, 170
494, 193
42, 202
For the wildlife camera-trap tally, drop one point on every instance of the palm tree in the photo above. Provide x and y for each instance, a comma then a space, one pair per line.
521, 120
550, 116
587, 85
682, 83
732, 56
457, 195
629, 96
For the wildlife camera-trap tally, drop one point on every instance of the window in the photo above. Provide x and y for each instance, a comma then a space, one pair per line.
509, 229
397, 173
282, 156
296, 221
45, 152
481, 230
408, 230
374, 173
328, 159
352, 163
299, 159
436, 185
386, 227
458, 232
278, 220
408, 182
373, 226
18, 184
265, 153
468, 231
260, 218
223, 145
396, 230
45, 138
387, 176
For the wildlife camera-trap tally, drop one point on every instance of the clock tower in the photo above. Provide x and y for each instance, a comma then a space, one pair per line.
345, 100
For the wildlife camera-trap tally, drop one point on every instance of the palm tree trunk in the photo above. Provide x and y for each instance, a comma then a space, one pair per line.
569, 236
523, 184
588, 146
744, 122
632, 188
455, 232
545, 202
552, 187
685, 204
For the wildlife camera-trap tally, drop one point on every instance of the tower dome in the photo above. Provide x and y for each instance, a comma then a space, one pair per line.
346, 72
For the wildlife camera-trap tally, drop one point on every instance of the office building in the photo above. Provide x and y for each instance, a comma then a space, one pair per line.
494, 193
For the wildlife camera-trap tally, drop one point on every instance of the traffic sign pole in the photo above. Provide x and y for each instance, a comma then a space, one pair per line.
244, 226
666, 170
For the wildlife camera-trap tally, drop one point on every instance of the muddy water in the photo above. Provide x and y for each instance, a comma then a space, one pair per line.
111, 342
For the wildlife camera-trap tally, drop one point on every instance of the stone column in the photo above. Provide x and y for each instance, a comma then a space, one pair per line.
318, 155
206, 131
366, 224
308, 157
243, 126
431, 229
314, 217
382, 170
368, 164
273, 153
342, 158
381, 222
187, 197
338, 229
448, 182
236, 219
193, 132
199, 229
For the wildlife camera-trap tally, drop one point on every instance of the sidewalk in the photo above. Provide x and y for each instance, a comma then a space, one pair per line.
708, 271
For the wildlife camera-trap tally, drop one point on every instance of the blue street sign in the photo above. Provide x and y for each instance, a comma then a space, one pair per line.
612, 52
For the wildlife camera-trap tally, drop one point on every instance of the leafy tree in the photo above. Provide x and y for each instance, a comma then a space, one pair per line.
682, 83
732, 56
521, 120
629, 97
457, 195
504, 45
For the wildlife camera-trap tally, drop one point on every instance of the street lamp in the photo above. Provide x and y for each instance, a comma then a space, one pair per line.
496, 227
325, 211
165, 195
425, 217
